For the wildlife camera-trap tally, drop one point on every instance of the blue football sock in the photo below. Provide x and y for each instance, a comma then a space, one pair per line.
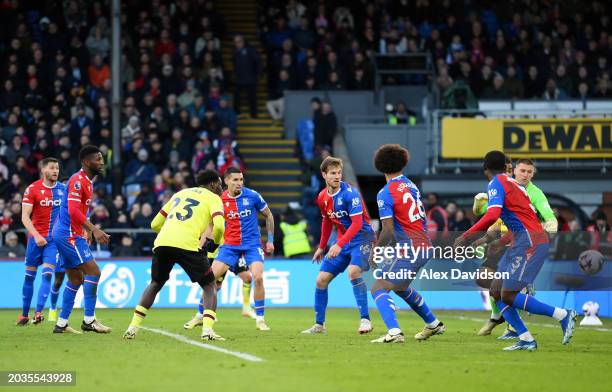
201, 306
70, 292
259, 307
512, 317
417, 303
54, 297
532, 305
360, 291
45, 287
28, 291
320, 305
90, 294
386, 307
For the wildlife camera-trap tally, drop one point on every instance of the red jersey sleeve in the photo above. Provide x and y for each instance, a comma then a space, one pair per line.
75, 190
29, 196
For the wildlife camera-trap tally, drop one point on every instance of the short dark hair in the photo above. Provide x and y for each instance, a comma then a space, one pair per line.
330, 161
525, 161
391, 158
88, 150
47, 161
231, 170
495, 161
508, 160
207, 177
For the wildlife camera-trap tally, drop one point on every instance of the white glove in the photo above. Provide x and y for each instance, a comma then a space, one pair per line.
551, 226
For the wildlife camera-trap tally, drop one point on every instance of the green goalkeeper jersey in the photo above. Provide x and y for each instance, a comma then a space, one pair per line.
540, 202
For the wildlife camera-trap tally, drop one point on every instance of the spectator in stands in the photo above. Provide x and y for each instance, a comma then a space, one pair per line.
601, 236
514, 86
437, 218
98, 72
571, 243
139, 170
225, 114
276, 102
325, 125
460, 222
97, 43
534, 86
497, 90
127, 248
12, 248
246, 68
602, 90
552, 93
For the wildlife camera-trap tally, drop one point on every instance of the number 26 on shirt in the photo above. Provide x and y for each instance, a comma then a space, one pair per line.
416, 210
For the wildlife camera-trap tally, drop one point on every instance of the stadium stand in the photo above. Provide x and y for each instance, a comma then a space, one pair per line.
180, 73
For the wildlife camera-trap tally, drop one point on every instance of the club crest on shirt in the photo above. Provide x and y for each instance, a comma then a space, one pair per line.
42, 191
339, 202
77, 185
380, 203
245, 202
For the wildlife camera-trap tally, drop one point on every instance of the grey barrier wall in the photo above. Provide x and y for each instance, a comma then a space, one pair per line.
363, 139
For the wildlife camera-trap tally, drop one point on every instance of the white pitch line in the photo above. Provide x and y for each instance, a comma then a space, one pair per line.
184, 339
537, 324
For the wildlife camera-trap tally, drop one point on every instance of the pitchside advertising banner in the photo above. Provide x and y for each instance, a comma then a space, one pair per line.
470, 138
290, 283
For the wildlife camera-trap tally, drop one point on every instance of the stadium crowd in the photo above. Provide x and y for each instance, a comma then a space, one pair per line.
177, 117
55, 96
516, 49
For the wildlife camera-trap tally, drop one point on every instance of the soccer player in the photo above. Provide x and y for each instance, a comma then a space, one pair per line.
40, 207
523, 174
403, 220
72, 234
242, 239
241, 271
341, 206
523, 260
180, 225
492, 258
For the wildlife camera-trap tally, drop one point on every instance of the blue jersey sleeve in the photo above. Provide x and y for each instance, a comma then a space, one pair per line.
496, 193
353, 201
385, 204
259, 202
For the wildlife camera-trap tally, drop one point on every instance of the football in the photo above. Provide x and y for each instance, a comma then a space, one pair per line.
590, 262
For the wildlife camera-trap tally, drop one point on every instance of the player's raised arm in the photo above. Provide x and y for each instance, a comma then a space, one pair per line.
27, 206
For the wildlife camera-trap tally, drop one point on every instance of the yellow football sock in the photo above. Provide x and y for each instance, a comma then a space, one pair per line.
209, 319
246, 295
139, 314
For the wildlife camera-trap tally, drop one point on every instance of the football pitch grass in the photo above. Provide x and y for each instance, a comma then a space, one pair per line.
340, 360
